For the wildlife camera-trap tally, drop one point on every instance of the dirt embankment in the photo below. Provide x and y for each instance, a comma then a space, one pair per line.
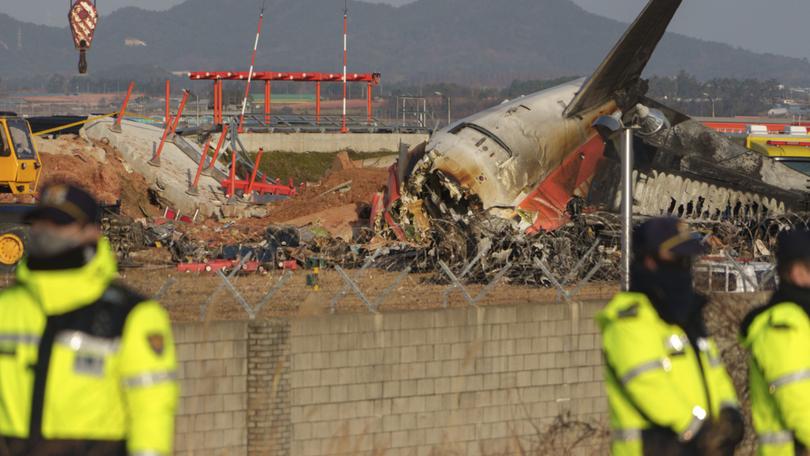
331, 204
335, 211
364, 183
99, 169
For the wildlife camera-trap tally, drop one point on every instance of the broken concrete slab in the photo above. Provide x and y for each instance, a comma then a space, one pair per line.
137, 143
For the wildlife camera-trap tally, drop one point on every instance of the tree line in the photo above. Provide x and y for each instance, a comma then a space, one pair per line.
684, 92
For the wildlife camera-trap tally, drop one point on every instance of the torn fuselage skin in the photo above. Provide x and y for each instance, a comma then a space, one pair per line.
489, 165
486, 164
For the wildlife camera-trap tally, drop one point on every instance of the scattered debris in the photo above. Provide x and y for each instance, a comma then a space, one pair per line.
336, 226
342, 188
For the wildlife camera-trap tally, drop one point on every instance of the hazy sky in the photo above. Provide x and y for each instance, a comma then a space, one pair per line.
775, 26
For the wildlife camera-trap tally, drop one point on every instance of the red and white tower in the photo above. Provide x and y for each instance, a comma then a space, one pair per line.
250, 73
345, 129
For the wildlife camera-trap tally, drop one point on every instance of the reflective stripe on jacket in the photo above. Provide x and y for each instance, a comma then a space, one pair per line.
655, 378
85, 359
779, 378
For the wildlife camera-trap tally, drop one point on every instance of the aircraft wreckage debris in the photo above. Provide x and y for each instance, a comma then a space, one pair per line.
584, 249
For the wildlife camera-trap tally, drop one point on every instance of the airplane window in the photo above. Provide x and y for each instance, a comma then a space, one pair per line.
487, 134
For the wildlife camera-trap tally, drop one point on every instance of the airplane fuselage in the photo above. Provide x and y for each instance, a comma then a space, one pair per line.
502, 153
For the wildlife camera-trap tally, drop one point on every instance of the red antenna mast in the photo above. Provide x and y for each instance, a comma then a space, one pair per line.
252, 65
344, 129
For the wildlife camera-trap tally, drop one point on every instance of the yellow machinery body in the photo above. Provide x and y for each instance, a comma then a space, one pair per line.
20, 170
792, 150
20, 166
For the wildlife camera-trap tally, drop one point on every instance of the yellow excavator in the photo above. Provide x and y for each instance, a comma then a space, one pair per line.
20, 169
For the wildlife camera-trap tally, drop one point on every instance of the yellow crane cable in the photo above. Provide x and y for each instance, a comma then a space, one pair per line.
74, 124
91, 119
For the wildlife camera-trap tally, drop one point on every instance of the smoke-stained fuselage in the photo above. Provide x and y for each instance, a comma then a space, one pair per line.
527, 159
500, 155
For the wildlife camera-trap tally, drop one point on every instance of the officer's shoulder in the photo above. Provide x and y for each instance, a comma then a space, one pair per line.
627, 305
12, 294
780, 316
121, 297
786, 315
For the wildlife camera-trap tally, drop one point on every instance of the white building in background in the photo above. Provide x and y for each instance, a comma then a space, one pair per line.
134, 42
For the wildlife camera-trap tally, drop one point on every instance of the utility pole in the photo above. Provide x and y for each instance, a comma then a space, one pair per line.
627, 205
613, 129
197, 98
447, 99
712, 100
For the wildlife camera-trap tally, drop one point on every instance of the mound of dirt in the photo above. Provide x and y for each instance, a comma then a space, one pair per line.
99, 169
85, 171
364, 183
334, 211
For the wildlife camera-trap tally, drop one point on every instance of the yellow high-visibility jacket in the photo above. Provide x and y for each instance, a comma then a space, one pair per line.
779, 378
84, 359
655, 379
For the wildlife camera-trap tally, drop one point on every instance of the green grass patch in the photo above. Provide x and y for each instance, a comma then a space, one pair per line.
309, 167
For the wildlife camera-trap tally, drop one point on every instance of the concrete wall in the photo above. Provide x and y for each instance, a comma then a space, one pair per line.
328, 142
470, 381
465, 381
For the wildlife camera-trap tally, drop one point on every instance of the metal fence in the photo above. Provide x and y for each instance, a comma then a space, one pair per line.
563, 263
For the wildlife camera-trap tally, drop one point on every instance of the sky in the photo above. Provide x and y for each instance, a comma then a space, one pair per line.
774, 26
777, 26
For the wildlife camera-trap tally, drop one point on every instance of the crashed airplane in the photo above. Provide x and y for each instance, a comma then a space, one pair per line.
536, 161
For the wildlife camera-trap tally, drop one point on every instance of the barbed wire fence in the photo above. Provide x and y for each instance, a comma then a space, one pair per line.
475, 262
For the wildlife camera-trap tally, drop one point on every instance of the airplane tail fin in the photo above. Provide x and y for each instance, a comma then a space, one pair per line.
623, 66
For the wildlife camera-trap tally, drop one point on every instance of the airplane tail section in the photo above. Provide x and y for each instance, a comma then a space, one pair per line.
622, 68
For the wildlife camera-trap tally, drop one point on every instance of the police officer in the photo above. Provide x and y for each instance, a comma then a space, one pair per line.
668, 391
778, 338
87, 367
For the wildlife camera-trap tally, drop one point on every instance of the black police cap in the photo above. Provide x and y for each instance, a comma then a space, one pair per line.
65, 204
667, 235
793, 245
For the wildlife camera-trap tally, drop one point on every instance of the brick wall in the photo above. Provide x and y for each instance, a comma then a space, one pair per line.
470, 381
212, 413
268, 385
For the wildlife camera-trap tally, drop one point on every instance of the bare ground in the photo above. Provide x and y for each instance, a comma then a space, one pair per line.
414, 292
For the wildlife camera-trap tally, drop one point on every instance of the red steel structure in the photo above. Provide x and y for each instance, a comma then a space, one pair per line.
221, 141
193, 188
117, 125
170, 128
168, 115
741, 125
371, 79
